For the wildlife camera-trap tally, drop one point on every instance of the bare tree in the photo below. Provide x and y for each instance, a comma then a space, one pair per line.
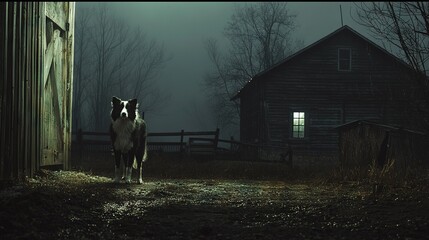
149, 61
112, 60
124, 59
105, 41
403, 26
260, 36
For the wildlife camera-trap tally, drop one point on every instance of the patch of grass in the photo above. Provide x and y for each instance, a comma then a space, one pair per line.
385, 180
165, 166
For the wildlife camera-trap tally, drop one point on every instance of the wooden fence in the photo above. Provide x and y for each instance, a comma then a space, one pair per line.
196, 146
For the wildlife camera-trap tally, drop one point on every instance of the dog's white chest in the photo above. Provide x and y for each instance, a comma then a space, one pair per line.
124, 129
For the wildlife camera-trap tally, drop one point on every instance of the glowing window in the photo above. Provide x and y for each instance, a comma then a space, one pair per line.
298, 124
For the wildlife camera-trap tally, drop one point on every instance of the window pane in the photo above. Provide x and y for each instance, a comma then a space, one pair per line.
301, 122
301, 115
301, 128
295, 128
295, 122
296, 115
301, 134
344, 53
345, 64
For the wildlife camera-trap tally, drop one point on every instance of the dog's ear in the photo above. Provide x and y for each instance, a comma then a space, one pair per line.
115, 100
134, 102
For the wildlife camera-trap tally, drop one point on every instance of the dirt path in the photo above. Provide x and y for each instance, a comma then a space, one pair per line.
74, 205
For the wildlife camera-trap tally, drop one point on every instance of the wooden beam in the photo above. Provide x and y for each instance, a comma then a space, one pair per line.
49, 55
56, 102
55, 12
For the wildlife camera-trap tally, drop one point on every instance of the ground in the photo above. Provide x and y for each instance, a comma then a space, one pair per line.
82, 205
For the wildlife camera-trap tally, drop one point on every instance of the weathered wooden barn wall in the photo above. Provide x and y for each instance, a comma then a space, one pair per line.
378, 86
361, 146
312, 83
36, 51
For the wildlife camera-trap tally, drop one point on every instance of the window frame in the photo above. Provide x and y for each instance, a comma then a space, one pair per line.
292, 125
343, 59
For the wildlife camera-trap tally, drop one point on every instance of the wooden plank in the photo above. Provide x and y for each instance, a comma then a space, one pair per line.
55, 12
17, 92
49, 55
52, 157
41, 47
203, 146
56, 102
68, 73
4, 26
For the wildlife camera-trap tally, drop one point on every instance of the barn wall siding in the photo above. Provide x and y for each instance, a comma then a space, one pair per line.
22, 51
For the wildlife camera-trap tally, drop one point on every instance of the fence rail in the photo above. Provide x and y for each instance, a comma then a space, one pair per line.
84, 143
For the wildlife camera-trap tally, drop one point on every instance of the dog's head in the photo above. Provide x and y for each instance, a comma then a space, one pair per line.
124, 109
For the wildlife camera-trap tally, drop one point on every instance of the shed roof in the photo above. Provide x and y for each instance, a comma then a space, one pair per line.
293, 56
355, 123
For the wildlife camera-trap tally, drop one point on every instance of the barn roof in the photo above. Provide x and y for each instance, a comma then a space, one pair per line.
311, 46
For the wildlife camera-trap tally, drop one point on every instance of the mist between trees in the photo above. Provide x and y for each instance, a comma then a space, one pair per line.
112, 58
260, 35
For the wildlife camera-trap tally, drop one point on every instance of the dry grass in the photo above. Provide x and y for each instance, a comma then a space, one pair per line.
385, 180
164, 166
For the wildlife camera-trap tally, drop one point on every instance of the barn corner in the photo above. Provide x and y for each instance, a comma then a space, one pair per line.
36, 47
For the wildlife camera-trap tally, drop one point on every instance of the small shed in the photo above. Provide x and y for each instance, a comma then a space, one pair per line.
365, 144
36, 79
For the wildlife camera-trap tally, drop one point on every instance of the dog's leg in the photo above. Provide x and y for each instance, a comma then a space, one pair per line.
139, 168
117, 166
123, 171
128, 167
128, 176
140, 159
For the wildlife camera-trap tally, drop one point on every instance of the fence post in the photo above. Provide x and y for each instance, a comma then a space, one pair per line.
182, 133
216, 140
216, 137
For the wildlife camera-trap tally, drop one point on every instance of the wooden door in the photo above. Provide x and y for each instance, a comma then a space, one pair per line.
57, 62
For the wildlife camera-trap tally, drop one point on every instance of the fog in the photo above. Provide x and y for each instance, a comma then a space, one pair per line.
182, 26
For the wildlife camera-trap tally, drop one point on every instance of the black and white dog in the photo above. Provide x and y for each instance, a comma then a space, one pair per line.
128, 135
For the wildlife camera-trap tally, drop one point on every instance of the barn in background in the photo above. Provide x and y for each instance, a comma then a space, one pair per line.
341, 78
36, 74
